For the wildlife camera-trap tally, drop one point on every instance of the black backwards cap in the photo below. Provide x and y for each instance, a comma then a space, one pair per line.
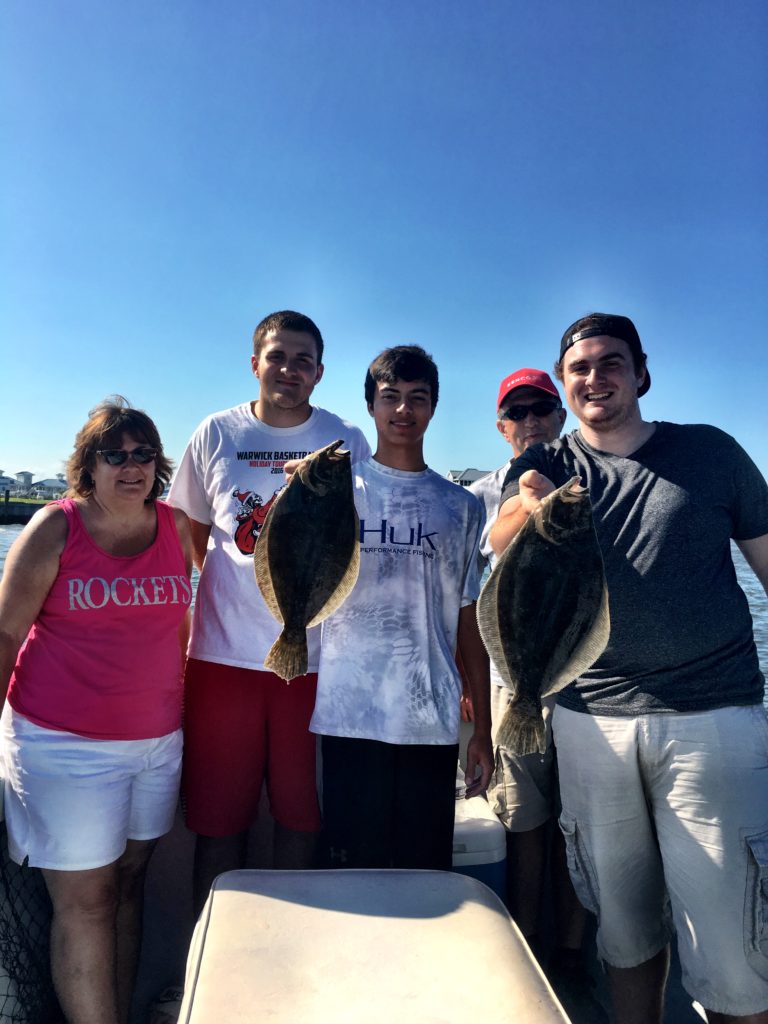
613, 326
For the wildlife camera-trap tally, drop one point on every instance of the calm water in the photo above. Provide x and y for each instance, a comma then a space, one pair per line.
758, 601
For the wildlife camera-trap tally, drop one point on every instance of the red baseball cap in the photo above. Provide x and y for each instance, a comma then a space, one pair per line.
526, 378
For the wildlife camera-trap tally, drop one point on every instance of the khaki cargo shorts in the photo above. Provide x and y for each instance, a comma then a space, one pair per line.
665, 818
523, 789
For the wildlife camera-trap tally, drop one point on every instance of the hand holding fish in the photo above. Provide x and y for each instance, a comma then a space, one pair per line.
514, 512
543, 614
308, 554
533, 487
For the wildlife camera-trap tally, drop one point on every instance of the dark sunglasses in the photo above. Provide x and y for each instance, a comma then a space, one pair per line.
519, 412
117, 456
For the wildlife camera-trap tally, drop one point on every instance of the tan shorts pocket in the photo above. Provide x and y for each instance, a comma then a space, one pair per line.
756, 903
580, 865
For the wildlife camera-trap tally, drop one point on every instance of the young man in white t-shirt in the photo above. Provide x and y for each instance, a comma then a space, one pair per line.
243, 724
388, 689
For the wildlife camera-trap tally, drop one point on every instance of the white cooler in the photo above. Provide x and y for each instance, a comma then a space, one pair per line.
360, 947
480, 844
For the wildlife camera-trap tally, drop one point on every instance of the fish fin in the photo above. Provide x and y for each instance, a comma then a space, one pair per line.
345, 585
288, 656
263, 574
588, 650
522, 729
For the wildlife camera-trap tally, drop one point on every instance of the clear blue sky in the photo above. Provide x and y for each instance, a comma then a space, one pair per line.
469, 176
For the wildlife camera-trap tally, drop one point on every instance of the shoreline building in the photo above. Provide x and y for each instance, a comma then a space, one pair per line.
465, 477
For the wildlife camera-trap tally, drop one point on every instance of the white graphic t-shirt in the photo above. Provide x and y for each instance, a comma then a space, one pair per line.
228, 477
387, 668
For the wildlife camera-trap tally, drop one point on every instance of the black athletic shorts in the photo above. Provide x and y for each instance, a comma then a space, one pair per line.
388, 805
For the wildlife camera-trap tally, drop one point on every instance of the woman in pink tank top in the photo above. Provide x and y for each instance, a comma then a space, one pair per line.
94, 606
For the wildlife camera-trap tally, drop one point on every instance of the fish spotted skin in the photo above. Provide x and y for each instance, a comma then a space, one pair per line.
308, 554
543, 614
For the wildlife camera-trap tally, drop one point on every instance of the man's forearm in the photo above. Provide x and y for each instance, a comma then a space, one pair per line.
474, 658
477, 666
200, 534
508, 524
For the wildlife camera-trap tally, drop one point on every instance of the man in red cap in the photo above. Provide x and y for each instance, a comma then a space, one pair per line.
523, 790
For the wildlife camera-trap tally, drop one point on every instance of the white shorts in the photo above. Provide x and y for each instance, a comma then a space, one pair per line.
71, 803
523, 788
665, 818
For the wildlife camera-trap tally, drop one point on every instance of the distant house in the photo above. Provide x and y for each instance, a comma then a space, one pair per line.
51, 488
23, 482
465, 477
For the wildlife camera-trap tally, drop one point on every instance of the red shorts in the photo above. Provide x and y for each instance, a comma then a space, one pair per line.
241, 726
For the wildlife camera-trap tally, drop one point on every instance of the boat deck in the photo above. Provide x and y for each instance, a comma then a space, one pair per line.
169, 925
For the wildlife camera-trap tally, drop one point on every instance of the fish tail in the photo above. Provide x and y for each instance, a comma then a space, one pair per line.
288, 655
522, 729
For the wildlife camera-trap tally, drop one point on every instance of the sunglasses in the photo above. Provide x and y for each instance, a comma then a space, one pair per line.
117, 456
519, 412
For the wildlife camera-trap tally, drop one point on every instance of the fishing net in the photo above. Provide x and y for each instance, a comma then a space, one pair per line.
26, 990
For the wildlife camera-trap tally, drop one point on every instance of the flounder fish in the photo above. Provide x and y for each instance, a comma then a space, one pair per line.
308, 554
543, 614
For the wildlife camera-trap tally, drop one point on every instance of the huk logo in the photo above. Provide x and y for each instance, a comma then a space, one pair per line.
250, 516
408, 536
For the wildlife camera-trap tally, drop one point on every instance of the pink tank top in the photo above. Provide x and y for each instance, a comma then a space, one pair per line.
103, 658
